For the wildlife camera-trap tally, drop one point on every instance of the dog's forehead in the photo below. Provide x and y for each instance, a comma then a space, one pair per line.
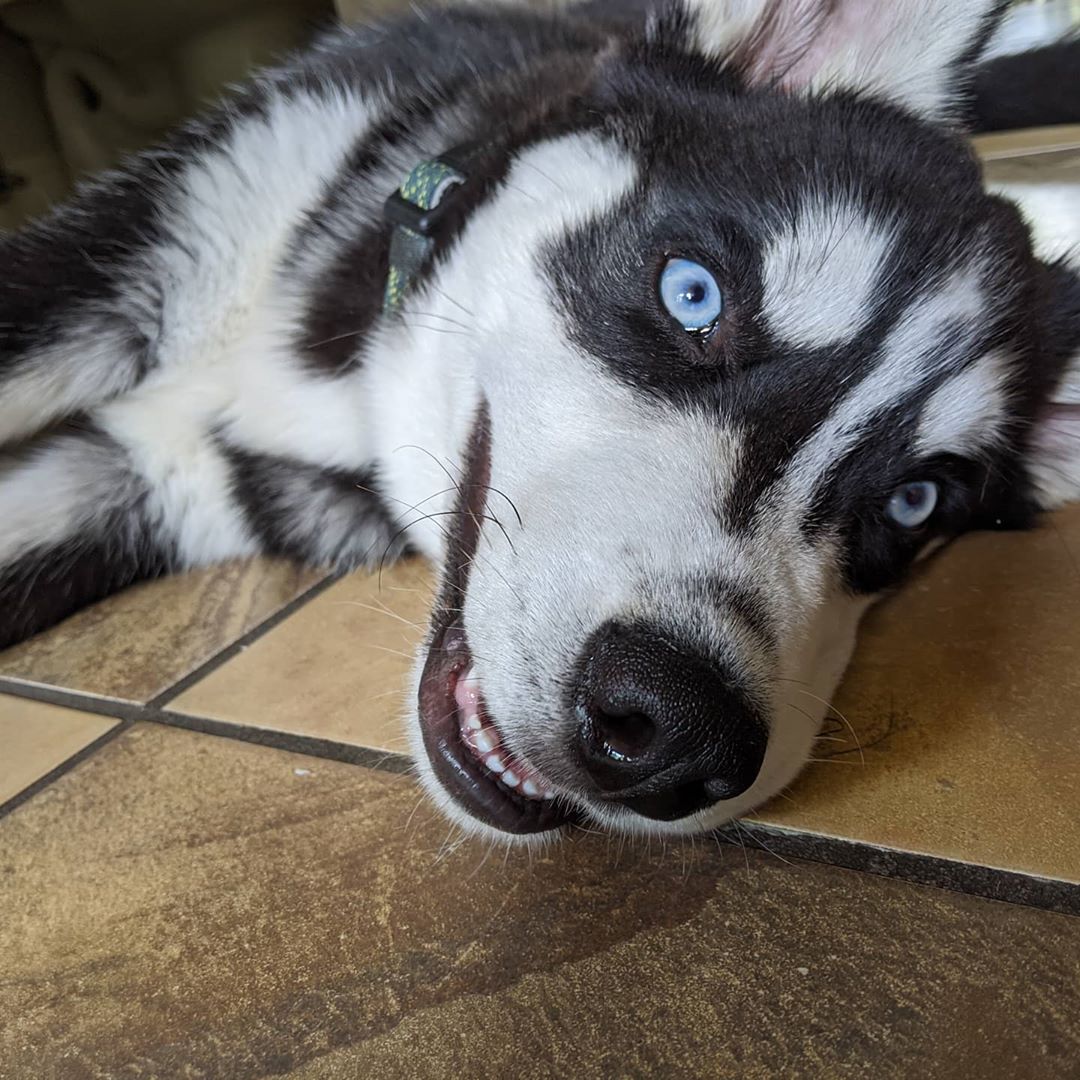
815, 266
857, 302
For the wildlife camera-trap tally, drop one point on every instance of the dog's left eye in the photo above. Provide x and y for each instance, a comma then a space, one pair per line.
691, 295
912, 504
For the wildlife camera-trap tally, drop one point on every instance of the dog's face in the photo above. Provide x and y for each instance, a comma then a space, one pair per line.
743, 356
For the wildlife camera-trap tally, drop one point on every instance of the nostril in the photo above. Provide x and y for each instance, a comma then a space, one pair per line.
620, 733
660, 729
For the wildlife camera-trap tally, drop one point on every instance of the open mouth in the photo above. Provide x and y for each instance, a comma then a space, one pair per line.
464, 745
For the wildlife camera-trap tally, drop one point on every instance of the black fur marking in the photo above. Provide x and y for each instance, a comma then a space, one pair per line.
1032, 89
49, 583
720, 204
741, 600
296, 509
531, 90
110, 547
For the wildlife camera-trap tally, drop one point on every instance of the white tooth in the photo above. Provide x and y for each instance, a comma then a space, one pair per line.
547, 795
474, 723
484, 742
495, 763
530, 789
510, 778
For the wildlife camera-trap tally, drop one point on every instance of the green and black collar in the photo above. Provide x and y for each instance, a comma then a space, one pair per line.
417, 212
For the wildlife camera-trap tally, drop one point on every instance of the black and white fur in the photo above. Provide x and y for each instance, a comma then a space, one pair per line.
194, 365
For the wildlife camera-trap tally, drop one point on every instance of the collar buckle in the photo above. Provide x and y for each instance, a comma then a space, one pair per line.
415, 213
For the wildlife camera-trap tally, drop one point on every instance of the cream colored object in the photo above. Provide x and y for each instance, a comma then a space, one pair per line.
28, 151
1040, 170
359, 10
38, 737
97, 78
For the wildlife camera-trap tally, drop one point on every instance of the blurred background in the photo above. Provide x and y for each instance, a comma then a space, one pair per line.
83, 81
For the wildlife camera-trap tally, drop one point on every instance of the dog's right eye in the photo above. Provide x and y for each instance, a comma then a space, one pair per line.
913, 504
691, 295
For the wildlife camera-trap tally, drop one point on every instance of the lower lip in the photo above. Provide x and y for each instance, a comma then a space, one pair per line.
481, 791
458, 766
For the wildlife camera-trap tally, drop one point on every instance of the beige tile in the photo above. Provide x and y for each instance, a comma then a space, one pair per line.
188, 906
1030, 142
1046, 185
965, 696
964, 693
138, 643
337, 669
35, 738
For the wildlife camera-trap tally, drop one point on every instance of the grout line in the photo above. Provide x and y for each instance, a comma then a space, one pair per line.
117, 708
392, 761
127, 713
63, 768
125, 709
974, 879
271, 622
918, 868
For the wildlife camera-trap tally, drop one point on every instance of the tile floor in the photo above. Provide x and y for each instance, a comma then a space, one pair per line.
180, 903
184, 905
211, 865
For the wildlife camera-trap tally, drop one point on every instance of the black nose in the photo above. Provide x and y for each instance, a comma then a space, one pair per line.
660, 730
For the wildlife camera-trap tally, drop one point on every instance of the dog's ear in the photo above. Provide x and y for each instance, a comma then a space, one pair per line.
915, 53
1054, 454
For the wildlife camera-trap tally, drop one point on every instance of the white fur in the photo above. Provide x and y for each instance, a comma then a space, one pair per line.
90, 362
820, 273
237, 208
1055, 458
482, 313
164, 427
82, 479
966, 412
911, 353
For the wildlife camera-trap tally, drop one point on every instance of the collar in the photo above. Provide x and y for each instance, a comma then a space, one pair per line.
416, 212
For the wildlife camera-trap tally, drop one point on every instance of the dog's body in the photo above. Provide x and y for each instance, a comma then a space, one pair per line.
657, 539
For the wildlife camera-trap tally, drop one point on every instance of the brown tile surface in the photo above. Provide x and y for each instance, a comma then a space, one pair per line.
136, 644
184, 905
965, 696
35, 738
964, 693
336, 669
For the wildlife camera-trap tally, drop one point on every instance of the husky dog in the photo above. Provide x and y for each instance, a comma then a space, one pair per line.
674, 332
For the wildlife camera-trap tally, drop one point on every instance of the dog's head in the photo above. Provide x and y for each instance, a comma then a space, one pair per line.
747, 343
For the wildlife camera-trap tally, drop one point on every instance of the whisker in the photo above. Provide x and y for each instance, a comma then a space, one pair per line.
380, 611
847, 722
436, 315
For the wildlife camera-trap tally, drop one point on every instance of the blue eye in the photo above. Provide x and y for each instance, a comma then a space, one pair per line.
691, 295
912, 504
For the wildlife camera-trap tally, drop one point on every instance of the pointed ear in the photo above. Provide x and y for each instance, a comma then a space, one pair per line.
915, 53
1054, 453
